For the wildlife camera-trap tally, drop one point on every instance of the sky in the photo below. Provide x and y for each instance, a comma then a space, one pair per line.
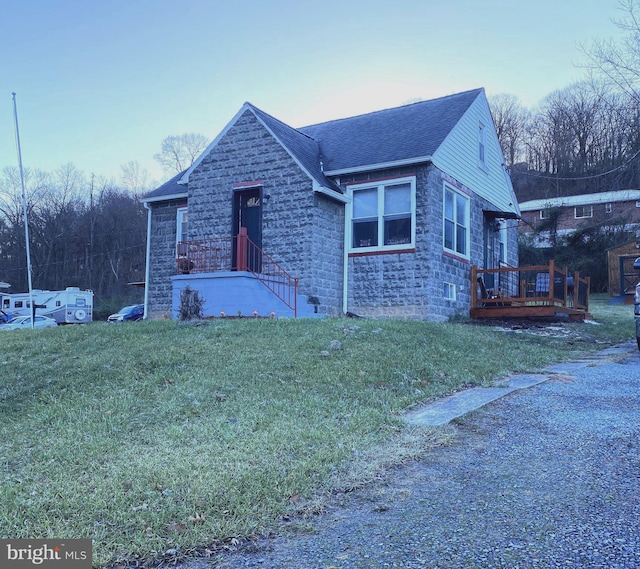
100, 84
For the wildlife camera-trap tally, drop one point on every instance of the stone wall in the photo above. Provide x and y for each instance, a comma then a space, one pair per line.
301, 230
411, 284
162, 262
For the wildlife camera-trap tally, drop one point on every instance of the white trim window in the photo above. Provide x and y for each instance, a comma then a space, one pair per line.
456, 221
182, 227
608, 208
581, 211
383, 215
449, 291
544, 214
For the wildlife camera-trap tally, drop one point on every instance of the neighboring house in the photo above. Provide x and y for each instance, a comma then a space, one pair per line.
615, 210
381, 214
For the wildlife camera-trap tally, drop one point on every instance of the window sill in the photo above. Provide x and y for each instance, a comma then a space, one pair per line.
381, 252
456, 256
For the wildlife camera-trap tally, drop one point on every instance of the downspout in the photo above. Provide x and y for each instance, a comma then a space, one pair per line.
345, 262
147, 260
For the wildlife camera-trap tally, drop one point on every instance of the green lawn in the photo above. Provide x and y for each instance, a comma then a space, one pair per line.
154, 436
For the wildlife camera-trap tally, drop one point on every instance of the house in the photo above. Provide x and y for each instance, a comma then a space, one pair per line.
378, 215
557, 217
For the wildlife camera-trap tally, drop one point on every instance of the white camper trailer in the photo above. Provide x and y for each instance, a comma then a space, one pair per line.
69, 306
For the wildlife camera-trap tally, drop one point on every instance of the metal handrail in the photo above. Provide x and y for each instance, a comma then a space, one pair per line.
238, 253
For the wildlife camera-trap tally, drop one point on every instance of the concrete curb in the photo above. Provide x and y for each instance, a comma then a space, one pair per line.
445, 410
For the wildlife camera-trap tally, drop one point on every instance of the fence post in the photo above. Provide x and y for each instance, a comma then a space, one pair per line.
241, 249
552, 274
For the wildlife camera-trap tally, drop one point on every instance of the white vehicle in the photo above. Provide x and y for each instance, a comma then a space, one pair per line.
69, 306
24, 323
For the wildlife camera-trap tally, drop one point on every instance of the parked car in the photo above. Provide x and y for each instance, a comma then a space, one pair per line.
24, 323
128, 314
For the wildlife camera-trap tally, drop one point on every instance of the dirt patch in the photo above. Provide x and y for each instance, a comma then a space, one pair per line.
552, 327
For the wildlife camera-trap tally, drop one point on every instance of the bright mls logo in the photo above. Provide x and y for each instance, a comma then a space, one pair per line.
45, 553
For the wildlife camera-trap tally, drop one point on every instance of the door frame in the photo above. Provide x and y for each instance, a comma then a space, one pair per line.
255, 231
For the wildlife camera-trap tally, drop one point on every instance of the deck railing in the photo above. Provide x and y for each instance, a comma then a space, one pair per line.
543, 285
238, 253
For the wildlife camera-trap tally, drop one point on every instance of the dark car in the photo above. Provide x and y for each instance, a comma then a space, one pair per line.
128, 314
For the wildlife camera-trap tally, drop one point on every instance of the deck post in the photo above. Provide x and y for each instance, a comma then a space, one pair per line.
552, 273
474, 286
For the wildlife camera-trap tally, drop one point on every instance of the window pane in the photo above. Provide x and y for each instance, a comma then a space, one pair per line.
397, 231
448, 205
365, 233
461, 210
461, 240
448, 234
365, 203
397, 199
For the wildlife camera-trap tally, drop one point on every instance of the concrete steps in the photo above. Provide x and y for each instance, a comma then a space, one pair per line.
236, 293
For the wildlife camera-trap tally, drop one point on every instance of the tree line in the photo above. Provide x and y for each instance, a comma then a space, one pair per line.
82, 233
584, 138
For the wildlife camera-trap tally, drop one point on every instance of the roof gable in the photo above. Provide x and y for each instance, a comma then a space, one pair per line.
410, 132
302, 148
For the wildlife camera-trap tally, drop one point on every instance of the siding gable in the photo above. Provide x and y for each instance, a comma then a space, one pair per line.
458, 156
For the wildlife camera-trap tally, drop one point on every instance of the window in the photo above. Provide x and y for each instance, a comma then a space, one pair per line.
482, 146
17, 304
182, 230
449, 291
583, 211
544, 214
608, 208
456, 222
501, 235
383, 215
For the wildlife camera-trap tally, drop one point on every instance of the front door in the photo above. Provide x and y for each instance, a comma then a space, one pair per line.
247, 212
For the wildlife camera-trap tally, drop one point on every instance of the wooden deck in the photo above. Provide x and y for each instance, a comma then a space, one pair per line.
529, 292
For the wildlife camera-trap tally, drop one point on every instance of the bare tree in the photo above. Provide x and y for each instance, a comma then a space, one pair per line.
134, 178
178, 152
618, 64
510, 119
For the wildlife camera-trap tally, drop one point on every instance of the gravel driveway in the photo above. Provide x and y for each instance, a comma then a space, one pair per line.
546, 477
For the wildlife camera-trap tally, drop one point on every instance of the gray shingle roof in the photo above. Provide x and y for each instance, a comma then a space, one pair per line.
399, 134
391, 135
302, 146
170, 188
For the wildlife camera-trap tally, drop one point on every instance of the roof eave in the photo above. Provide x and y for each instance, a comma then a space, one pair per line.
380, 166
167, 198
333, 194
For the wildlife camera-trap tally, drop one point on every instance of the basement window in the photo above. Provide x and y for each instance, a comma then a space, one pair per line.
449, 291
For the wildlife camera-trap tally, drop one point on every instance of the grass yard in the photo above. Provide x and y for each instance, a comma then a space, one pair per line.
164, 439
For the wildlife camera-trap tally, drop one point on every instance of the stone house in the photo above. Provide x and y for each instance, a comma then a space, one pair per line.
377, 215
